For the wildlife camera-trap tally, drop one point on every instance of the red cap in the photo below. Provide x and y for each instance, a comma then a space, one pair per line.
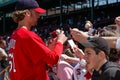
40, 10
29, 4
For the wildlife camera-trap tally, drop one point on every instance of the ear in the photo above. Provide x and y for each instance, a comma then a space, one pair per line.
102, 54
28, 13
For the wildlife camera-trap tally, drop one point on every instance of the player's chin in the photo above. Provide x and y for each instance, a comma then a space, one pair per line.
34, 24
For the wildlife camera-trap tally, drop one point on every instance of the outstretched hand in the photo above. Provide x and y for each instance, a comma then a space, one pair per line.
78, 35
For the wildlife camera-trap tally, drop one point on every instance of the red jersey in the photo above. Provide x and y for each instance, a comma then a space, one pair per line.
29, 56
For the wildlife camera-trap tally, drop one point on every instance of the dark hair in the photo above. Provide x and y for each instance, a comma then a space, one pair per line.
98, 50
114, 54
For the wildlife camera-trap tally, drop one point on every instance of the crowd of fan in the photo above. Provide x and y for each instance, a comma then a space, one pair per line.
45, 27
69, 60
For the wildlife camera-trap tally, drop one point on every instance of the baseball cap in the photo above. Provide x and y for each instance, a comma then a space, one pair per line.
29, 4
99, 43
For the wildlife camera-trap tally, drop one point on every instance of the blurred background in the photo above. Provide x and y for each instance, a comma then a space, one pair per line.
63, 14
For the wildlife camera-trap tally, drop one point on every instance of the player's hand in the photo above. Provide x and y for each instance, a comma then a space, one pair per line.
52, 43
61, 37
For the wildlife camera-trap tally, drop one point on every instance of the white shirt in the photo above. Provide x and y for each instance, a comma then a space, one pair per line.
79, 72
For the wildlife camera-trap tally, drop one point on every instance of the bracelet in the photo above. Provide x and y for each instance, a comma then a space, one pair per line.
88, 38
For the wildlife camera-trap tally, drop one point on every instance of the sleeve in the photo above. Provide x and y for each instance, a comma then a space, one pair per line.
38, 51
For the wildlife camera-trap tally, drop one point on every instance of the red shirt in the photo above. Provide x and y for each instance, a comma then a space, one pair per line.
29, 56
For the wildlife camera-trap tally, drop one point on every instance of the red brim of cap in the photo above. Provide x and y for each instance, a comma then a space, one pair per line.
40, 10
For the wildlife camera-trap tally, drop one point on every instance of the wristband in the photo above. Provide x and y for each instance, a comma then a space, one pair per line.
89, 38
